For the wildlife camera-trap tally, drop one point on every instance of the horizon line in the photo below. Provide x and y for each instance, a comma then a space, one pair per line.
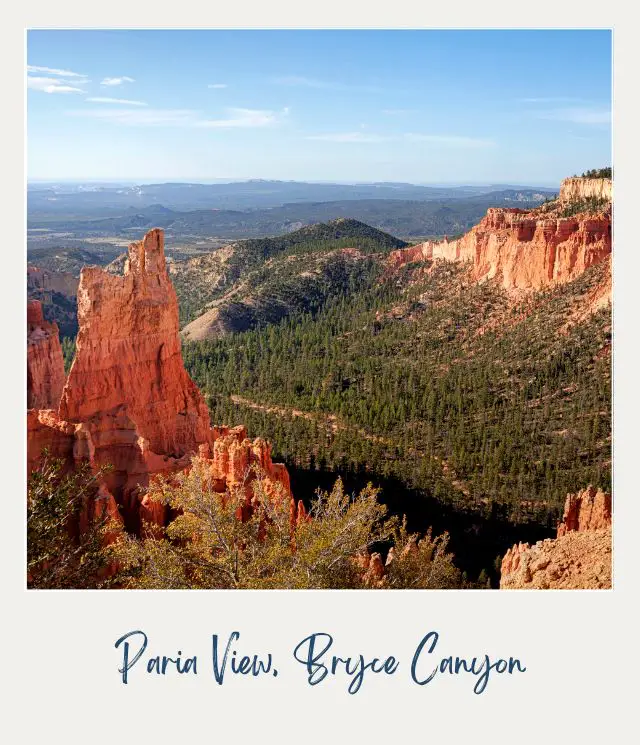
222, 181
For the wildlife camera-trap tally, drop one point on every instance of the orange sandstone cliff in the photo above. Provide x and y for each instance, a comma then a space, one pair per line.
579, 558
128, 401
576, 188
527, 249
45, 365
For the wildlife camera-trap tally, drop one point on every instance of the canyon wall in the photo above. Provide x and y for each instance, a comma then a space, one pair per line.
45, 364
523, 250
45, 282
580, 556
57, 292
576, 189
129, 403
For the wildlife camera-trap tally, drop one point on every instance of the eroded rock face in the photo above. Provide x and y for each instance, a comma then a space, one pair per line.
579, 558
45, 364
588, 510
523, 250
576, 561
57, 292
128, 401
128, 354
46, 431
45, 282
575, 189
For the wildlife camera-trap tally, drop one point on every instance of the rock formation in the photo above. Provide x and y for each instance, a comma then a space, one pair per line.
45, 282
128, 401
575, 189
579, 558
528, 249
588, 510
523, 250
45, 365
57, 292
128, 354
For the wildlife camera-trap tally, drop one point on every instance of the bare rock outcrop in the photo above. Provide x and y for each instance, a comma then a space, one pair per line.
576, 561
45, 282
579, 558
128, 354
45, 364
576, 189
588, 510
523, 249
129, 402
57, 292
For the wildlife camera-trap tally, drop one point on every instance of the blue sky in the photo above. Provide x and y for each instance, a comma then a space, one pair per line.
418, 106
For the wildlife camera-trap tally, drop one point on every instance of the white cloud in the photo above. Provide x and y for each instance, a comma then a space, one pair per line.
299, 80
449, 140
587, 113
217, 85
552, 99
576, 115
398, 112
55, 71
349, 137
182, 117
52, 85
116, 81
245, 118
122, 101
365, 137
304, 82
140, 117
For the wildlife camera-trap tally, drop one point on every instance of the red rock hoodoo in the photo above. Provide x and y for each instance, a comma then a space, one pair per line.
128, 401
128, 354
526, 249
588, 510
45, 365
579, 558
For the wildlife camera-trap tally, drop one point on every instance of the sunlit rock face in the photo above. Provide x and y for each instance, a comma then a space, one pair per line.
575, 189
129, 402
522, 250
579, 558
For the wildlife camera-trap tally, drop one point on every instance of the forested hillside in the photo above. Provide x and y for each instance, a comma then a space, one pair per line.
432, 382
261, 281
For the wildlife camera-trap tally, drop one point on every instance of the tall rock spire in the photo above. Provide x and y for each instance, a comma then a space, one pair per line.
129, 403
128, 354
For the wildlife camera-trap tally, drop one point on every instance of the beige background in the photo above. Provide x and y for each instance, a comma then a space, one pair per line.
59, 677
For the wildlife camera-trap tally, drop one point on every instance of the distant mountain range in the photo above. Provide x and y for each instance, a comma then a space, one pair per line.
402, 217
98, 200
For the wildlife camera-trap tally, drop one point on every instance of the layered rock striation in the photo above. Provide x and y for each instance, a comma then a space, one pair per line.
128, 357
128, 402
46, 283
57, 292
580, 556
587, 510
523, 250
45, 364
533, 249
576, 189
